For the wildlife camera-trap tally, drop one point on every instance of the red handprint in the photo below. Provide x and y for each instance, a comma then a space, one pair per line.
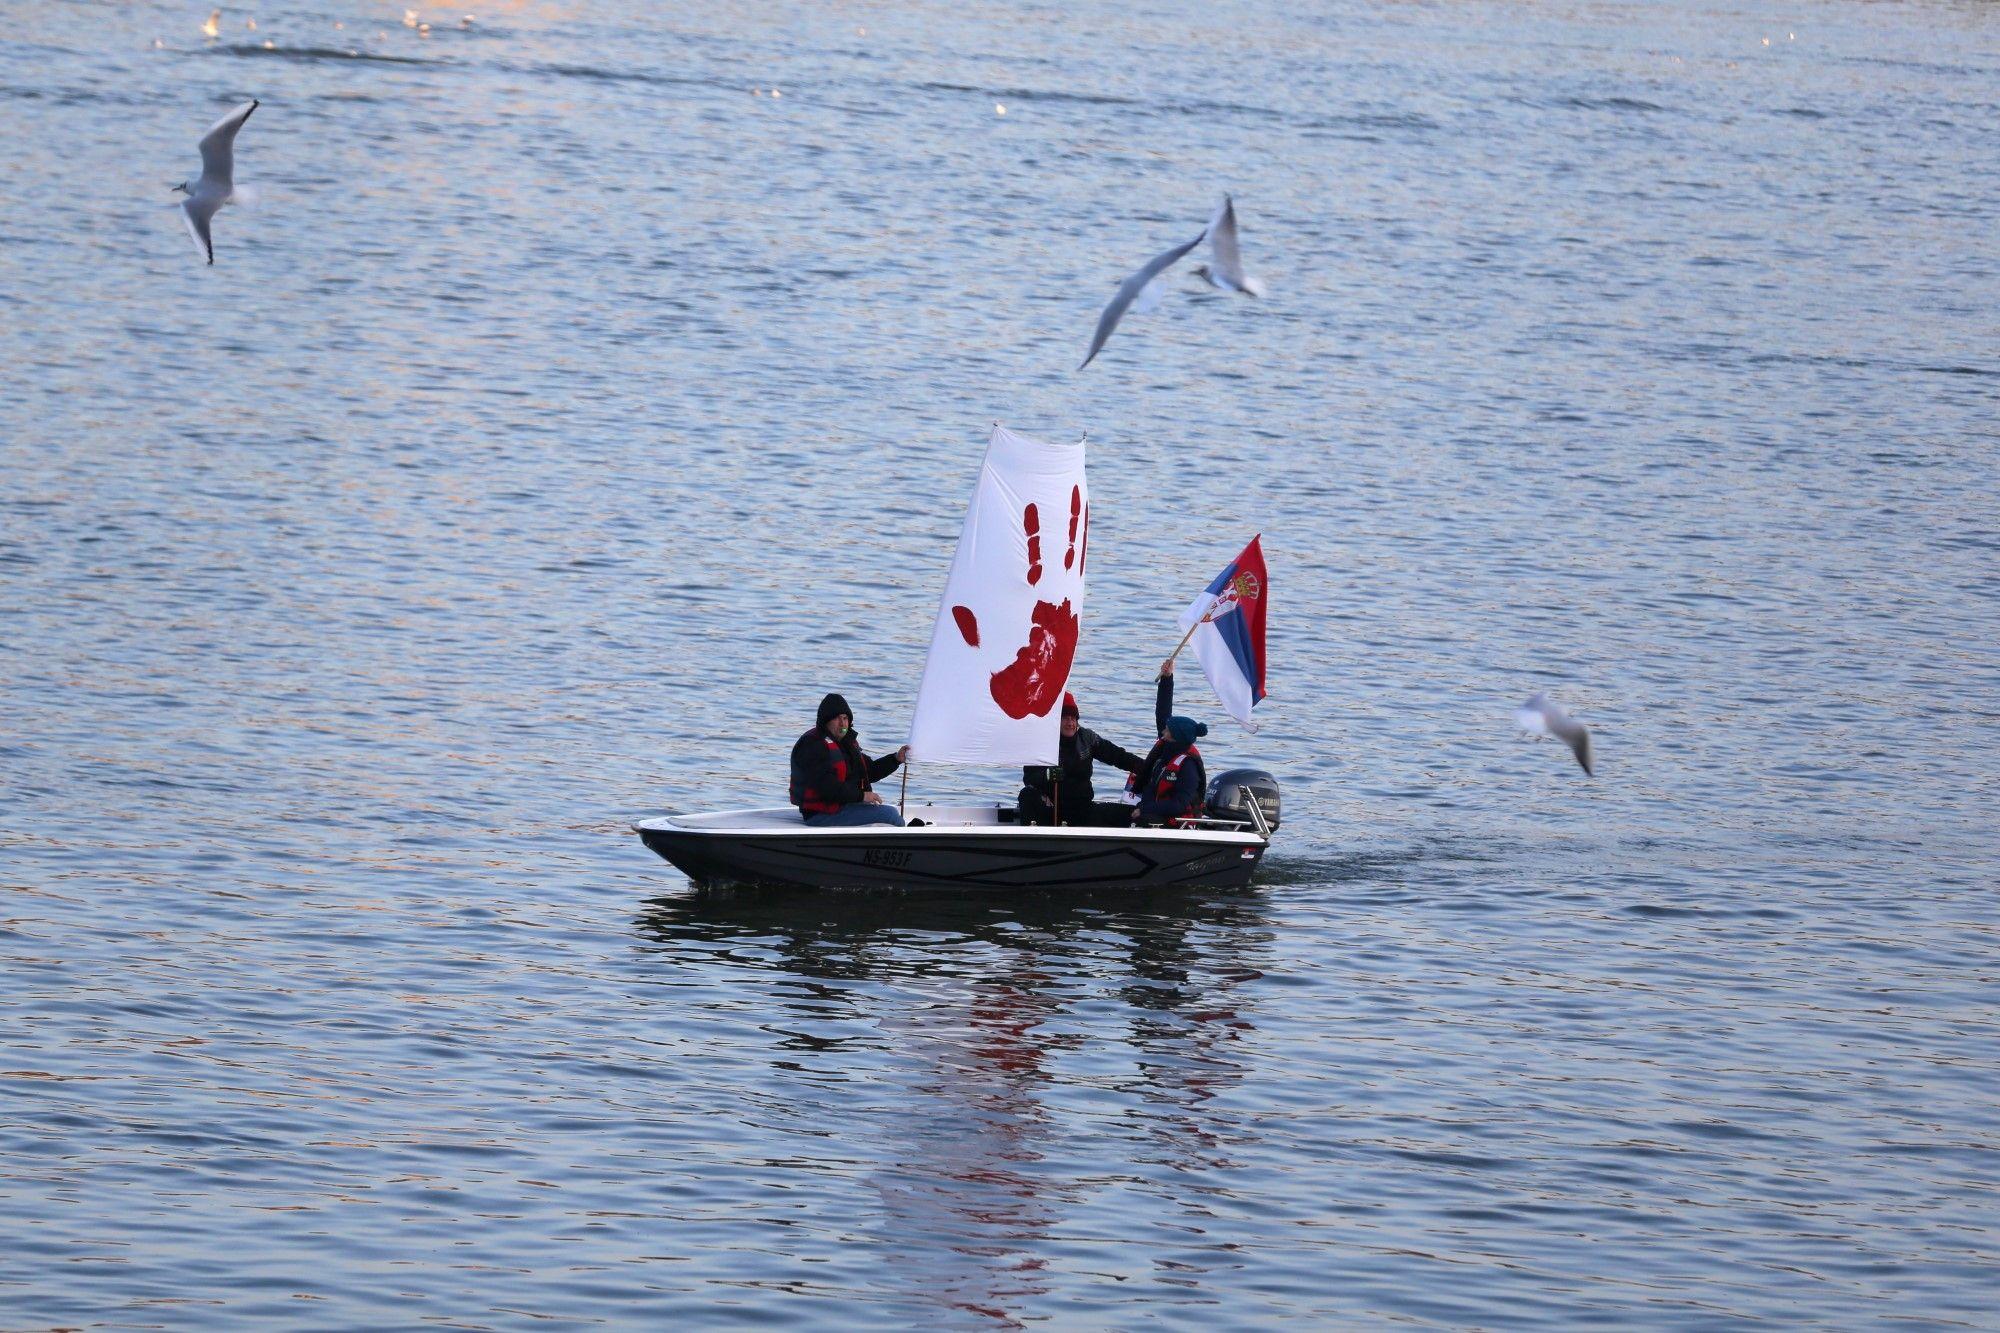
1034, 680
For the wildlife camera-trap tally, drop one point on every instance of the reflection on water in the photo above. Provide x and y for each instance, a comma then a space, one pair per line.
1003, 1022
969, 1201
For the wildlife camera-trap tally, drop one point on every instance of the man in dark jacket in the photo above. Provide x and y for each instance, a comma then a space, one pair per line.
832, 780
1063, 794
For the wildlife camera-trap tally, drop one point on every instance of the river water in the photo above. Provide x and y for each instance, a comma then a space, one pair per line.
596, 385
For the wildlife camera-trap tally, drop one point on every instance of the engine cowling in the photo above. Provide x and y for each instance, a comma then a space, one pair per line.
1227, 792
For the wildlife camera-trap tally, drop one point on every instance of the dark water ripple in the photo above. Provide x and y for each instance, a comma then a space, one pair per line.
574, 411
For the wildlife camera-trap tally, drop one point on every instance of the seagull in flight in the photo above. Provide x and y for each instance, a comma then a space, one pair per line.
1143, 288
1227, 270
1545, 717
217, 185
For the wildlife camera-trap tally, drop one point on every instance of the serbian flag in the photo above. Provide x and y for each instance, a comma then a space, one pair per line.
1227, 622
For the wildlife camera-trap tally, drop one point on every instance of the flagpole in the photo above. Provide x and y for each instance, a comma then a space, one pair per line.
905, 794
1220, 606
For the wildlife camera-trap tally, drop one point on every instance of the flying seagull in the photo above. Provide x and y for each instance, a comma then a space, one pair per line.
1131, 289
1545, 717
217, 185
1227, 270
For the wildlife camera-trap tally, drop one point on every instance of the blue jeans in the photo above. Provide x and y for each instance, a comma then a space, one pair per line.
851, 816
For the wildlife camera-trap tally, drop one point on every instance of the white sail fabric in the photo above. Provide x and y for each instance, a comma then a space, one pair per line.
1007, 628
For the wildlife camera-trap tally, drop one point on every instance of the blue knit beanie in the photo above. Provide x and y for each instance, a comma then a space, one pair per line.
1183, 730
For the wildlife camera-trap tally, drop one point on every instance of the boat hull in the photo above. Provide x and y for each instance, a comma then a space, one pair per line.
1002, 858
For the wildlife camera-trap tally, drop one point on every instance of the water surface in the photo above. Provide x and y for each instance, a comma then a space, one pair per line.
598, 385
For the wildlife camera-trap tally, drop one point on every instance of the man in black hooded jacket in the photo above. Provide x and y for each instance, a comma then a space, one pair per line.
832, 780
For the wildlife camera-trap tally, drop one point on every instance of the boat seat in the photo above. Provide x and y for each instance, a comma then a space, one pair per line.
757, 821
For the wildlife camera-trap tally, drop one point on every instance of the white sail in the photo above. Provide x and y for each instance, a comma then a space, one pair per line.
1007, 628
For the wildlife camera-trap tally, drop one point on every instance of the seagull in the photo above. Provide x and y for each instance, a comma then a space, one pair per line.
1545, 717
217, 185
1140, 287
1227, 271
213, 25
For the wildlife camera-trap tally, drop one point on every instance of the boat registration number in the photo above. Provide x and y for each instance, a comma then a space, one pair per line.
885, 857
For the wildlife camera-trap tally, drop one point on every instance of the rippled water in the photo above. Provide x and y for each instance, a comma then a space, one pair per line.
597, 386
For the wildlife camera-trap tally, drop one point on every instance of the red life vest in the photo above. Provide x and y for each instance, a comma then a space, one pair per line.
810, 801
1170, 773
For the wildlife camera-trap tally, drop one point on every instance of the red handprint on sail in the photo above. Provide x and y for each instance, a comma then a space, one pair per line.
1034, 680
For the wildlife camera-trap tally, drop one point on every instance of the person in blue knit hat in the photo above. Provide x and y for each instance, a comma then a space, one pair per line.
1174, 785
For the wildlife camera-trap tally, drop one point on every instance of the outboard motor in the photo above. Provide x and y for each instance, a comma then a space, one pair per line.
1229, 796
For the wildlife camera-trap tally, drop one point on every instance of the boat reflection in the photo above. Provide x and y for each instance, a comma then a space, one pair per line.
1032, 1064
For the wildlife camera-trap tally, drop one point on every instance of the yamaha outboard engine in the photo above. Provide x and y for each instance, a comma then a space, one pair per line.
1230, 793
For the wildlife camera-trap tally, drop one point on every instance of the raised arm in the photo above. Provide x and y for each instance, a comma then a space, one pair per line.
1163, 699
